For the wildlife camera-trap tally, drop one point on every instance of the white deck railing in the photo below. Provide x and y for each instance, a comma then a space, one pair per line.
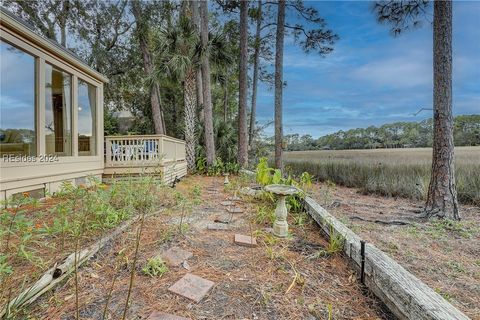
138, 151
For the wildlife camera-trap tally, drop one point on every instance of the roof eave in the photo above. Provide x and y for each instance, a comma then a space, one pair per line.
11, 22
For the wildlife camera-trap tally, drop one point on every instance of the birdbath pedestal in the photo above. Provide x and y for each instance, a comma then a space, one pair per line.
280, 226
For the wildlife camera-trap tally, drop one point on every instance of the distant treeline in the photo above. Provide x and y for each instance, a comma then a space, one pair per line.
394, 135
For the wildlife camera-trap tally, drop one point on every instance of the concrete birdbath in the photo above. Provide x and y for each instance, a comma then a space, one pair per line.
280, 226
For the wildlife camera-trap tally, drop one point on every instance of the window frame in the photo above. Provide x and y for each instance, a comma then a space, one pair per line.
95, 124
72, 107
36, 63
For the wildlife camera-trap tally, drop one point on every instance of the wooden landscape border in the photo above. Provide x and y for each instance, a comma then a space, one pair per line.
405, 296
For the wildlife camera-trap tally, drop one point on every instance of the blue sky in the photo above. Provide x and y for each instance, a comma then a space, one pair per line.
372, 78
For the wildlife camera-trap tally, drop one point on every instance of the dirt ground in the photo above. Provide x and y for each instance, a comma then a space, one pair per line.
250, 283
444, 255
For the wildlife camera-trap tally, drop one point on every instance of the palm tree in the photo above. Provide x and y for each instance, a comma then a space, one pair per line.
179, 51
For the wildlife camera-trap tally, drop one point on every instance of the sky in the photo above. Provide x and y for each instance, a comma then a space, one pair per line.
371, 77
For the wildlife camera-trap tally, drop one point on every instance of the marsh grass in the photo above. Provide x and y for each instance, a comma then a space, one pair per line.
390, 172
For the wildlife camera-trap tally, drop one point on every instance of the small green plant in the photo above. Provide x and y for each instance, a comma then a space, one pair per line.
301, 219
155, 267
201, 165
335, 245
5, 268
327, 190
456, 266
306, 181
265, 215
444, 294
196, 193
275, 253
263, 172
335, 241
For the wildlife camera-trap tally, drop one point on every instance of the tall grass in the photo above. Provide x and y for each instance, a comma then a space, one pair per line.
378, 173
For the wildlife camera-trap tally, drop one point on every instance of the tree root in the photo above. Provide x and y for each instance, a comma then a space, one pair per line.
384, 222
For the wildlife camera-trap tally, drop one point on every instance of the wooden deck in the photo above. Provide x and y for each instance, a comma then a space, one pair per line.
152, 154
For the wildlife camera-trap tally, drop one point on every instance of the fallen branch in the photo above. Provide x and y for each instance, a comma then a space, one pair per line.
61, 270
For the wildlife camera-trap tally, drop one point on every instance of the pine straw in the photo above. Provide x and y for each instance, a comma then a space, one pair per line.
248, 284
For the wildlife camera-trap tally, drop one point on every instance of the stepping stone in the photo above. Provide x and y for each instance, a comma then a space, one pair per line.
227, 203
245, 241
164, 316
225, 219
218, 226
192, 287
235, 210
175, 256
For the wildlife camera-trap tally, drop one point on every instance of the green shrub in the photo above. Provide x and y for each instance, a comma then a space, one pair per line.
155, 267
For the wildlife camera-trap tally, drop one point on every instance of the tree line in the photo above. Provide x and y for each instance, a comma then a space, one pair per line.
466, 132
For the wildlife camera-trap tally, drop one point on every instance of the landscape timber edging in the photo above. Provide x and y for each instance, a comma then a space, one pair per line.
405, 296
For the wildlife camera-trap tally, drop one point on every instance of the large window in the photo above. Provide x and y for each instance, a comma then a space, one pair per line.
58, 111
87, 107
17, 101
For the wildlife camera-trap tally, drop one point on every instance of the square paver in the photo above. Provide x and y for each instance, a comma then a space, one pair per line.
218, 226
234, 210
192, 287
175, 256
246, 241
164, 316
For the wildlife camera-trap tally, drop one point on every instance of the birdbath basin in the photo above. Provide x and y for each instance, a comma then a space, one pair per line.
280, 226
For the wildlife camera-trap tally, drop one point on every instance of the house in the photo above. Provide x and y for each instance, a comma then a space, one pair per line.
51, 120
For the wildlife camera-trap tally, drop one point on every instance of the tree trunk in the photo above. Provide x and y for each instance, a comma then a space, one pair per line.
199, 82
256, 65
242, 90
207, 97
155, 100
279, 84
225, 98
190, 104
442, 194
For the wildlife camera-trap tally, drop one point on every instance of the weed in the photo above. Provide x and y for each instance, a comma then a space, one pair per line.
306, 181
5, 268
301, 219
265, 215
275, 253
444, 294
155, 267
327, 191
335, 245
456, 266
